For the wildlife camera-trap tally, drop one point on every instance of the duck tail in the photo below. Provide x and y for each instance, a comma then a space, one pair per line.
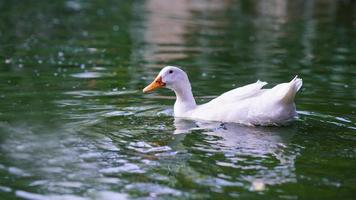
292, 88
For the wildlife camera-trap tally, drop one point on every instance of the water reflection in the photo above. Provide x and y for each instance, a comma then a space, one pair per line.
164, 34
95, 153
74, 124
265, 150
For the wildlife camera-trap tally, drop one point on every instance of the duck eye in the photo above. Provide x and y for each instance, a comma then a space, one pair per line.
170, 71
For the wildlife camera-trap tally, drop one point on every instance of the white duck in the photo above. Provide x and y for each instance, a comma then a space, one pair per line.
249, 104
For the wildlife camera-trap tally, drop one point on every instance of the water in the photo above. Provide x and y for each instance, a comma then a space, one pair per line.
74, 123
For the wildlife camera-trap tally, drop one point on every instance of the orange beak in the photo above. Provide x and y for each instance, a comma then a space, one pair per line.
157, 83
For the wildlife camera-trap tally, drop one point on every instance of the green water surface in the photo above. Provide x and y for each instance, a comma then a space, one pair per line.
74, 123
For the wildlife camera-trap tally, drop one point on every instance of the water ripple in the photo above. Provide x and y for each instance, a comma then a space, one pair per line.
98, 93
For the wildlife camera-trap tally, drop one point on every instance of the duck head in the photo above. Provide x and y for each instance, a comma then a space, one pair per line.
169, 77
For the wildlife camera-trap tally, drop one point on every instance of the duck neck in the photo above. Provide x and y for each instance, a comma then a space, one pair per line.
185, 101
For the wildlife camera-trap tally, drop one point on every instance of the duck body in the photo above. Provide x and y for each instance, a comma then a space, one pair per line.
249, 104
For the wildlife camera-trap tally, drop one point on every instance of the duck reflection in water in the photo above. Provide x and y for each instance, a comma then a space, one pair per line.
261, 155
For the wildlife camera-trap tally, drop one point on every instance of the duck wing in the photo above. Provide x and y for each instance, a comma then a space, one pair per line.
239, 93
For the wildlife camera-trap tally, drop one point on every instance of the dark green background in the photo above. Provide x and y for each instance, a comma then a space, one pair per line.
73, 120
